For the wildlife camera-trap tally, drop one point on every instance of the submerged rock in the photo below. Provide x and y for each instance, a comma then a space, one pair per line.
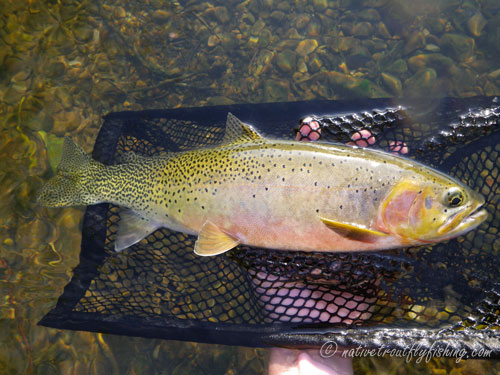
362, 29
306, 47
460, 46
415, 41
392, 83
383, 31
476, 24
276, 90
286, 61
161, 15
219, 100
421, 82
398, 67
222, 14
314, 28
320, 5
314, 64
436, 61
358, 57
492, 34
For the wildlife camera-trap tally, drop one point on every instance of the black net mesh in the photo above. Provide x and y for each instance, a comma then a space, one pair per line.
442, 296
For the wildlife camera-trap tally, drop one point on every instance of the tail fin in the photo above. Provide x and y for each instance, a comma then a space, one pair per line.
72, 185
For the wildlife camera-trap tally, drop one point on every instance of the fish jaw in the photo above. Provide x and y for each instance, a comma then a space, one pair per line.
464, 222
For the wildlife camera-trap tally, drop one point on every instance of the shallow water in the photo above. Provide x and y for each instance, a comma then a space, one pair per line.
64, 64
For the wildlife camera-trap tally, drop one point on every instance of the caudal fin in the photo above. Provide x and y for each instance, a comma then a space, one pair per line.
72, 184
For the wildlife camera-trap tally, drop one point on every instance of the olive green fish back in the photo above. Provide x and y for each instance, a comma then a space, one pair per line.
258, 297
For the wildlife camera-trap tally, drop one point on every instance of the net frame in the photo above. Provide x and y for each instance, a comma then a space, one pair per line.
398, 317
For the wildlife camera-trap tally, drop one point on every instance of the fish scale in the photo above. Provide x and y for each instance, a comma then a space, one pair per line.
275, 194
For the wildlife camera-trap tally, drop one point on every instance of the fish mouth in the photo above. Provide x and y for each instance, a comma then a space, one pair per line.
463, 221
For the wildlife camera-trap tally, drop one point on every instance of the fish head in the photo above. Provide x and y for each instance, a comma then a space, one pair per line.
431, 208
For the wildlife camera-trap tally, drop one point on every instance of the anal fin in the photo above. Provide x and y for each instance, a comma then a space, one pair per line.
133, 228
213, 241
353, 231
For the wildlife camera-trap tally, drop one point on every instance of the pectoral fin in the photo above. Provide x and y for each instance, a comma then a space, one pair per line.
353, 231
213, 241
132, 228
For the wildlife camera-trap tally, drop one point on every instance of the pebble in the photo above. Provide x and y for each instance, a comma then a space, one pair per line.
314, 64
358, 57
161, 15
306, 47
313, 28
302, 21
83, 32
65, 122
476, 24
392, 83
320, 5
415, 41
120, 12
293, 34
423, 79
383, 31
276, 91
277, 15
432, 47
460, 46
362, 29
302, 66
213, 40
369, 14
285, 60
436, 61
494, 74
219, 100
222, 14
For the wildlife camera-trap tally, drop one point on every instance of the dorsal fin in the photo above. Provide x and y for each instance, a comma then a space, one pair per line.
237, 131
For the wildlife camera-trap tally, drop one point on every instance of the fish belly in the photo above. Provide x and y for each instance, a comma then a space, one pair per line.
294, 225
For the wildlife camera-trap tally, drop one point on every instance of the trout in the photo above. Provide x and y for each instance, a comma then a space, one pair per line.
276, 194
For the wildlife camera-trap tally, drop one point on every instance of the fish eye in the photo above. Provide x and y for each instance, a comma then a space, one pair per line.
454, 198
